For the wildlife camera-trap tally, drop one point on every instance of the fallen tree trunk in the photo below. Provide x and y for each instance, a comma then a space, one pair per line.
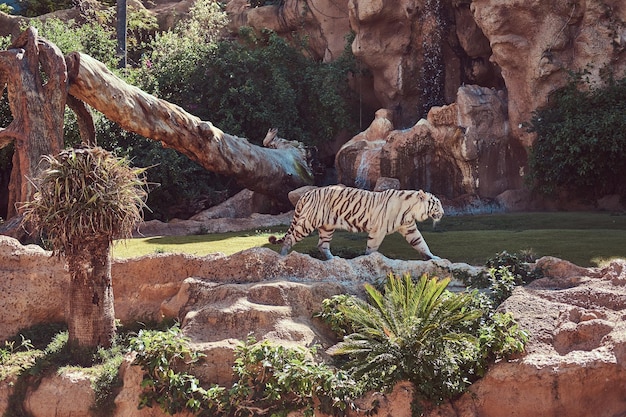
273, 172
38, 77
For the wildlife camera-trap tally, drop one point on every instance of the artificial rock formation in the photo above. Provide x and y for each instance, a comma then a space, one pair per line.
414, 54
574, 364
462, 148
420, 54
536, 43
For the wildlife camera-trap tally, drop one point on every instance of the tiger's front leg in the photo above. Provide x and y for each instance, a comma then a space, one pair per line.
323, 244
415, 239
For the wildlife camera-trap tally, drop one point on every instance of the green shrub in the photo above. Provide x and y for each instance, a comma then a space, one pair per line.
417, 331
31, 8
332, 315
580, 145
247, 86
165, 357
280, 380
269, 377
92, 37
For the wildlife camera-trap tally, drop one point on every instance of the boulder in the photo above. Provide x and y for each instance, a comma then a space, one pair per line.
324, 23
575, 362
67, 393
463, 148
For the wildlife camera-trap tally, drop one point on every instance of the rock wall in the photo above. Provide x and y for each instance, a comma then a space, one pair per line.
574, 364
420, 55
536, 43
414, 53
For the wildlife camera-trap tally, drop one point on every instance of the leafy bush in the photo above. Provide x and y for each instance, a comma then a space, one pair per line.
505, 272
247, 87
580, 145
417, 331
279, 380
90, 37
332, 315
161, 355
31, 8
270, 377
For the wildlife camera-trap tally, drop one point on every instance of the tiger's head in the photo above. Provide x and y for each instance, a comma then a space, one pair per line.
430, 208
435, 209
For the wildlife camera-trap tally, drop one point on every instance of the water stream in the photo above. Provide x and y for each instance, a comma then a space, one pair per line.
433, 70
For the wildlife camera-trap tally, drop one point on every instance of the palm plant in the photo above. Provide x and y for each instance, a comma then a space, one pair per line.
84, 199
415, 331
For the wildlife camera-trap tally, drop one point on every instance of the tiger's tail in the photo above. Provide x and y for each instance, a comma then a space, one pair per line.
275, 241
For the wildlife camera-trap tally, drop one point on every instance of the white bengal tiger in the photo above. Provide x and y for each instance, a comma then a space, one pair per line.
356, 210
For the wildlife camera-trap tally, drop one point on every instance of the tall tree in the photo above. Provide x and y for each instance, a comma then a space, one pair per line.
85, 198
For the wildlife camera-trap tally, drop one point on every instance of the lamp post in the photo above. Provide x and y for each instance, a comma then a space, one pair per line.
121, 33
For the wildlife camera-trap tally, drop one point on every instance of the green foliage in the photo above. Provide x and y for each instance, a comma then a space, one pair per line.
418, 331
92, 37
407, 333
50, 353
280, 380
270, 377
32, 8
334, 316
505, 272
502, 283
165, 357
5, 8
505, 269
499, 337
580, 145
10, 348
247, 87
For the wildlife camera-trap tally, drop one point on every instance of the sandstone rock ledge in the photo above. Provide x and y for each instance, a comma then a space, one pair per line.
574, 364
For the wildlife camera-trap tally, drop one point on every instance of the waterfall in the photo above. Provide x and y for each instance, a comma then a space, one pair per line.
361, 180
432, 74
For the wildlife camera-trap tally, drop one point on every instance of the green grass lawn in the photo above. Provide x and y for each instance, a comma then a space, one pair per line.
586, 239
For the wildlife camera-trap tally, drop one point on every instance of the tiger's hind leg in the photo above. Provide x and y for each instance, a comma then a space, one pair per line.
323, 244
298, 231
415, 239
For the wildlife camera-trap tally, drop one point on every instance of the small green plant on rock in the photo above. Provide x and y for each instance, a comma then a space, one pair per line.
272, 380
48, 352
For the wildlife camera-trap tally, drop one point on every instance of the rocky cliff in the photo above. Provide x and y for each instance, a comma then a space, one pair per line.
574, 365
422, 55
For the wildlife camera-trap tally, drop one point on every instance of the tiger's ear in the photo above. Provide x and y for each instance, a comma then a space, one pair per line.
421, 194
